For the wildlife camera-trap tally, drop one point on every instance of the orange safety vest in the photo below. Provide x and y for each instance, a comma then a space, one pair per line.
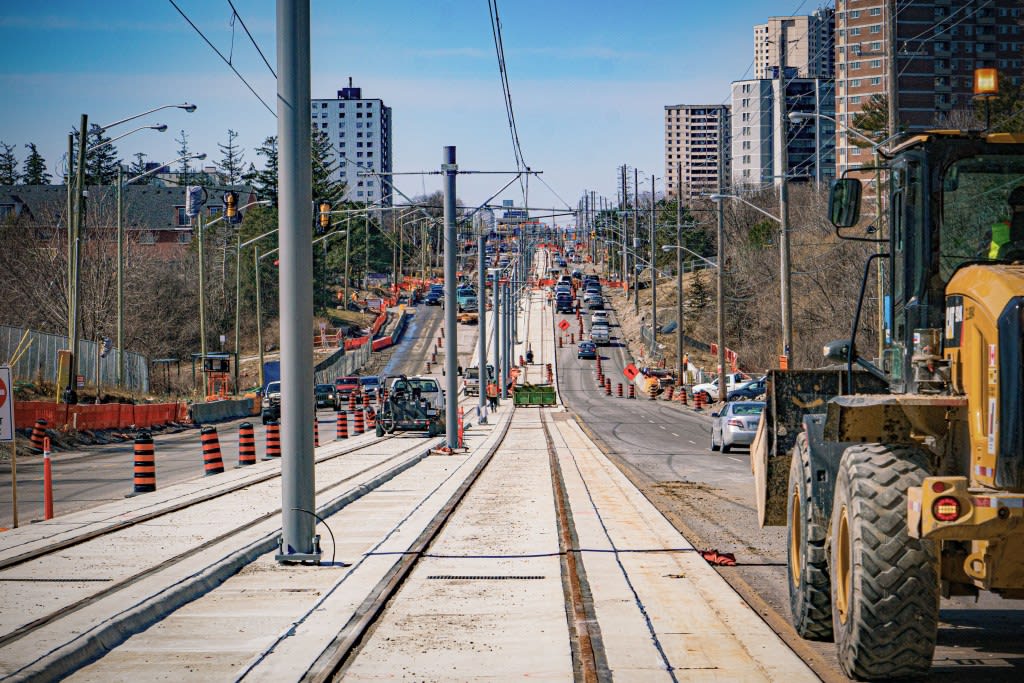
492, 390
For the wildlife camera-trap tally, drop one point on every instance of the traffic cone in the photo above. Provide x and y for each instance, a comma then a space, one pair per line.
618, 390
371, 419
352, 402
212, 462
366, 400
668, 392
607, 387
273, 441
652, 392
632, 391
246, 444
682, 395
342, 425
38, 434
358, 427
145, 464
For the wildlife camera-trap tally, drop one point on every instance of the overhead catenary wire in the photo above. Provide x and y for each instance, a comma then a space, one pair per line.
253, 40
223, 58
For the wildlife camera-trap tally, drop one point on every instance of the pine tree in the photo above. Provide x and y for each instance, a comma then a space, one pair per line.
324, 166
184, 170
137, 168
8, 164
101, 161
872, 120
34, 169
232, 159
265, 181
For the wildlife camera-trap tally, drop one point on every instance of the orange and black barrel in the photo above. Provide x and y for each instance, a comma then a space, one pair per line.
246, 444
273, 441
38, 434
212, 461
342, 425
371, 419
145, 464
358, 427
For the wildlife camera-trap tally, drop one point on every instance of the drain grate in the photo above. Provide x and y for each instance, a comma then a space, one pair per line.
456, 577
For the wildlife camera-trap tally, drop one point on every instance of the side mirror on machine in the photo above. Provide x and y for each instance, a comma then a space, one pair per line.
844, 202
837, 351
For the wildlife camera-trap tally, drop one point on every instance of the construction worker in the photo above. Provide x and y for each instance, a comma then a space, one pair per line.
492, 395
1008, 236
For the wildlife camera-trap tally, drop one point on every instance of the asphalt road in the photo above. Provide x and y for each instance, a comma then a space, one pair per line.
709, 497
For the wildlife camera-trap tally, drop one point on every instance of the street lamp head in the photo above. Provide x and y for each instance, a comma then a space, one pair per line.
200, 156
717, 197
160, 127
800, 116
187, 107
667, 247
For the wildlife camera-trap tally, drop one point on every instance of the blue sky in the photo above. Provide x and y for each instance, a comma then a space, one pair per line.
589, 79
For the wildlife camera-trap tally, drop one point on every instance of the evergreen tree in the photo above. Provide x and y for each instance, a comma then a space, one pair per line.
872, 120
8, 164
184, 170
324, 166
232, 161
137, 168
265, 181
101, 159
34, 170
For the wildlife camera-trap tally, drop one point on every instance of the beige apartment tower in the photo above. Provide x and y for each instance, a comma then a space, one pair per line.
803, 43
692, 143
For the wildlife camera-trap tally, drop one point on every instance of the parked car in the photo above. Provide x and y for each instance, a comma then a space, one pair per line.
748, 391
735, 425
732, 381
586, 349
324, 396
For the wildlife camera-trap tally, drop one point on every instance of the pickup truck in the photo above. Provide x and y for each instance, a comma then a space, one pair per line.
471, 379
271, 404
732, 380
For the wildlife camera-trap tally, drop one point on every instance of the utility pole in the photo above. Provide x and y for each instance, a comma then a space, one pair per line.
120, 277
679, 272
348, 236
202, 300
636, 241
496, 346
481, 279
298, 492
449, 168
654, 276
622, 228
71, 393
784, 265
259, 309
723, 394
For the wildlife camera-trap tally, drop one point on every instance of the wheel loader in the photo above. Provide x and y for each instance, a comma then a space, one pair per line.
901, 479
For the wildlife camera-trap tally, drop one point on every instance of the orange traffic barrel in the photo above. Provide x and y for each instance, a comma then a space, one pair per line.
607, 387
371, 419
212, 462
358, 427
342, 425
669, 391
652, 393
352, 403
682, 395
246, 444
38, 434
618, 390
632, 391
366, 399
145, 464
316, 433
273, 441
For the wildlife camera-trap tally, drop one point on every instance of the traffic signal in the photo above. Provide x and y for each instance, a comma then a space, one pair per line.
325, 215
231, 207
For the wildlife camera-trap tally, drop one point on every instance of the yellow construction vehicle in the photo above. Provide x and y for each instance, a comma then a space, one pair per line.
902, 479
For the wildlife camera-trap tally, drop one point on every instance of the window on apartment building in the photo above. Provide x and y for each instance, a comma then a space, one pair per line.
746, 144
876, 28
854, 66
359, 124
369, 154
341, 114
323, 125
854, 82
876, 80
855, 99
181, 217
855, 31
875, 11
323, 105
874, 64
359, 144
855, 14
359, 105
876, 46
359, 115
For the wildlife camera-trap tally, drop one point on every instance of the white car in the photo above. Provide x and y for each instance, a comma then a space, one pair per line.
732, 380
599, 317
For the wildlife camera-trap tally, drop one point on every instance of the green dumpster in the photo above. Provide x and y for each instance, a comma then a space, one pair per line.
534, 395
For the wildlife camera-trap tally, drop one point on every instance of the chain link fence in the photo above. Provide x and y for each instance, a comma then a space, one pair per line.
38, 361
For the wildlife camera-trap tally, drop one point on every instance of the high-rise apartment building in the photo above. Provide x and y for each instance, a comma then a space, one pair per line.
691, 144
758, 153
360, 132
939, 44
804, 43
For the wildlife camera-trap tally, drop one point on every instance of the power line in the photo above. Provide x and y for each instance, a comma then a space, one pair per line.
492, 6
223, 58
253, 40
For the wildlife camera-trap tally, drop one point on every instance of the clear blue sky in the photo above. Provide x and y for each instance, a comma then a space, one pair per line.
589, 78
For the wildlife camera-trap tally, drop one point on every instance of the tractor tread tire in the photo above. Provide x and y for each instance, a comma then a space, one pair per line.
893, 615
810, 595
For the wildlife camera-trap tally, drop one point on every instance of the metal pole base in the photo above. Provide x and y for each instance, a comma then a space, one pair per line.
298, 558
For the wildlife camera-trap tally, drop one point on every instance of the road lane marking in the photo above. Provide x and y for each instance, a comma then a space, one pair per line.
674, 434
662, 426
693, 442
736, 459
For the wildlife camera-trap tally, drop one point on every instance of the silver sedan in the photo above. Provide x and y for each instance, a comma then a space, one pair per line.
735, 425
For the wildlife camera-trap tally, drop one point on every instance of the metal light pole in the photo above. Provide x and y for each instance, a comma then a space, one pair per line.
202, 299
259, 310
679, 272
654, 277
481, 243
636, 241
70, 394
449, 168
723, 394
120, 277
298, 498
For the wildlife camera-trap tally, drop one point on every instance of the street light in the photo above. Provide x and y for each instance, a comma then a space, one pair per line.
76, 223
160, 128
120, 252
784, 268
185, 105
679, 248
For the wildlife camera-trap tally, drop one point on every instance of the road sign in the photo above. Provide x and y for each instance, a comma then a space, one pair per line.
630, 372
6, 406
564, 325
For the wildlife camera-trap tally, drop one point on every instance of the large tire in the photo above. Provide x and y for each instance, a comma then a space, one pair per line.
810, 593
885, 603
386, 419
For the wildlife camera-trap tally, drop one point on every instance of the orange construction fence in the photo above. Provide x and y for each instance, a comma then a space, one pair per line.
102, 416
